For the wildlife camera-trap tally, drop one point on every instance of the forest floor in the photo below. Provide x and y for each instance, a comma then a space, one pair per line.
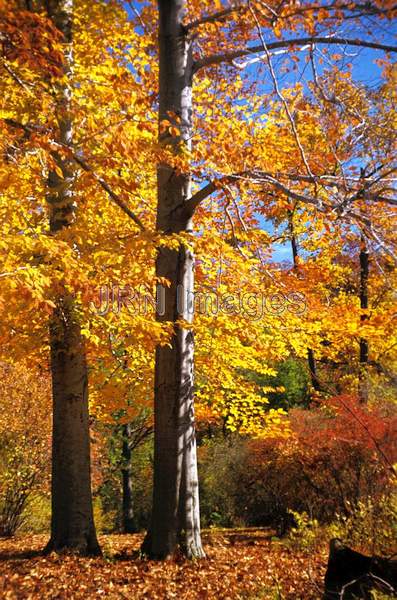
240, 565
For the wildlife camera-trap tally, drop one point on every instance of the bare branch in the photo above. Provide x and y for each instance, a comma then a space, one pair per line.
364, 9
267, 178
218, 16
138, 16
283, 100
256, 59
16, 77
105, 186
255, 177
11, 273
258, 177
229, 57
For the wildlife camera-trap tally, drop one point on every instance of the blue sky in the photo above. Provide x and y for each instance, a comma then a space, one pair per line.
364, 70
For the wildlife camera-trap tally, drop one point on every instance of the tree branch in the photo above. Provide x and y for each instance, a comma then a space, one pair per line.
262, 177
105, 186
15, 77
193, 202
86, 167
283, 100
254, 177
216, 59
218, 16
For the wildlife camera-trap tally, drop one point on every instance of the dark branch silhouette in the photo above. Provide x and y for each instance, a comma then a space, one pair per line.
230, 56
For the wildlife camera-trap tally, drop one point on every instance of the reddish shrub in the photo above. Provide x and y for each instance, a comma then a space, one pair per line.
339, 454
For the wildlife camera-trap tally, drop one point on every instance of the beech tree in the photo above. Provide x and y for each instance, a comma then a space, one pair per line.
175, 497
72, 521
49, 26
176, 502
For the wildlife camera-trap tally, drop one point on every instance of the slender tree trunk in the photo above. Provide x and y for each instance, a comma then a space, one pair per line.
72, 523
364, 347
175, 515
128, 522
311, 359
292, 237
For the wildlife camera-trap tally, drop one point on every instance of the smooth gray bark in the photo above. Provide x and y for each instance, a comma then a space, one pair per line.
72, 523
175, 515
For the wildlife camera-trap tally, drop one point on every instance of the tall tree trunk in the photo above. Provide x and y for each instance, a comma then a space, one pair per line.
364, 348
128, 521
72, 523
175, 514
311, 359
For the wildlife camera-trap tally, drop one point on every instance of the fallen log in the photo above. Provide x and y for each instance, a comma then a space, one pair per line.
351, 575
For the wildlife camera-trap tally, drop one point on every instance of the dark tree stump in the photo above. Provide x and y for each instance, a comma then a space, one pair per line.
351, 575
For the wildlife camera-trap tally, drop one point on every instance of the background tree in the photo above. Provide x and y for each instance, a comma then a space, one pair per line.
174, 426
72, 521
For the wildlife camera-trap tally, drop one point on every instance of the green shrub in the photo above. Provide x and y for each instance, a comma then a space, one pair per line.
37, 514
221, 461
306, 534
371, 525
